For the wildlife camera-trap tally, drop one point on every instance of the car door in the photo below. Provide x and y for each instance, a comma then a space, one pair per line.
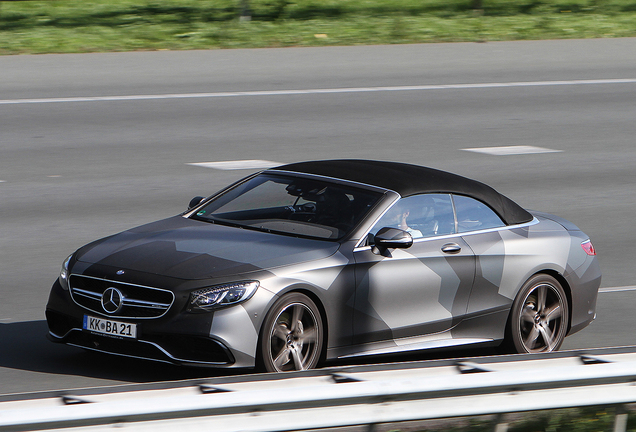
418, 290
483, 230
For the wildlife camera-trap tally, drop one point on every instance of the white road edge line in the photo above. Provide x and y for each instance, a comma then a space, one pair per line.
318, 91
617, 289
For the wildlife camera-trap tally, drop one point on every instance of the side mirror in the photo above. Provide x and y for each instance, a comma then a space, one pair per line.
393, 238
195, 202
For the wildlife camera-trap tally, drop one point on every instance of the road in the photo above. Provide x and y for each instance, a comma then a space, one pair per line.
94, 144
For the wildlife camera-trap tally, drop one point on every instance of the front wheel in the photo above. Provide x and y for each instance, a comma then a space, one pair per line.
540, 316
292, 335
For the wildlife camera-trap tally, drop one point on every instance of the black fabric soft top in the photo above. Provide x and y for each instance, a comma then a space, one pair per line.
408, 179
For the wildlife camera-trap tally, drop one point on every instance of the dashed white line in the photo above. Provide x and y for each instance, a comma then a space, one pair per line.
318, 91
617, 289
511, 150
237, 164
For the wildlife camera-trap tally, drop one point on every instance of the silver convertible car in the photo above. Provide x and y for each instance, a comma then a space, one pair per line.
327, 260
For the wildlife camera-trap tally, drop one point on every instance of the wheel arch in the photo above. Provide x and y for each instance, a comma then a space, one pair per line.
507, 340
562, 281
566, 288
323, 314
300, 289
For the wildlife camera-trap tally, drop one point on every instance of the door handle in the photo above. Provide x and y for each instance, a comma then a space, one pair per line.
451, 248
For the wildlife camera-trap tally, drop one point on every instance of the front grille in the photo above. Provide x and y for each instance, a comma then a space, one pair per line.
137, 301
169, 348
130, 348
192, 348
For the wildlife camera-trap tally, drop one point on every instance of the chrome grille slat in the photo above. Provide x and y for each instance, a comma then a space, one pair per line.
88, 294
139, 302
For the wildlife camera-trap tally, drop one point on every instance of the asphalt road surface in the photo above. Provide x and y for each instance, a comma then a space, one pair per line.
97, 143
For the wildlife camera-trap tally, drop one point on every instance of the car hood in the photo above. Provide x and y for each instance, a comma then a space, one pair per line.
189, 249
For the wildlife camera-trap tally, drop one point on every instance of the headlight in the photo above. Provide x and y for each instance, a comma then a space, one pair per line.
207, 299
64, 273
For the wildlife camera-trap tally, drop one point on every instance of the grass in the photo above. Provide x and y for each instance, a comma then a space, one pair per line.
591, 419
63, 26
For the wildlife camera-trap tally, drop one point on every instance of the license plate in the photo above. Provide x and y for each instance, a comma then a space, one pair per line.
110, 327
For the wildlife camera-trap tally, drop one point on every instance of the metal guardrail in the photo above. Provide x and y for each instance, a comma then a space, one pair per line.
339, 397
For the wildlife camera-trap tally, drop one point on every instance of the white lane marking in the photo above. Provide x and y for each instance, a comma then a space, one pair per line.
237, 164
318, 91
511, 150
617, 289
3, 181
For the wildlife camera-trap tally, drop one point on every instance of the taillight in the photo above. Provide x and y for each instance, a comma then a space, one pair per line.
588, 248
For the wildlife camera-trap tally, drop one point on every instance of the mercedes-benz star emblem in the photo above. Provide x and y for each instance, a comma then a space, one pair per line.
112, 300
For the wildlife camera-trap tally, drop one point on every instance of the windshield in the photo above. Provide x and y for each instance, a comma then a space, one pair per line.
291, 205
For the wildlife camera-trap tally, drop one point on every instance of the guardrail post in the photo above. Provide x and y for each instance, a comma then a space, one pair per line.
500, 425
372, 427
620, 421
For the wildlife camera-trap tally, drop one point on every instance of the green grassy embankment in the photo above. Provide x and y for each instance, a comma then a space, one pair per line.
591, 419
62, 26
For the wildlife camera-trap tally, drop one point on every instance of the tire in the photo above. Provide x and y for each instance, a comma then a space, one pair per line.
292, 335
539, 317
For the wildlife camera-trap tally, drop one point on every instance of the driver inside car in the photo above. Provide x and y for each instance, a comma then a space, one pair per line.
397, 217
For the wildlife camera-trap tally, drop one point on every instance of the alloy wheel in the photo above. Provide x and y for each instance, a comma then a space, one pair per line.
542, 316
294, 335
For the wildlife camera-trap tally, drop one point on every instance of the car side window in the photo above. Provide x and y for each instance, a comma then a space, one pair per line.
424, 215
473, 215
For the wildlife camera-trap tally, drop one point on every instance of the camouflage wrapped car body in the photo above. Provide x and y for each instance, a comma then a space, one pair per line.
452, 286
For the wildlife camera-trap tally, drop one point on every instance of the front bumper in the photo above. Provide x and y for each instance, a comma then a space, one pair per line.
178, 337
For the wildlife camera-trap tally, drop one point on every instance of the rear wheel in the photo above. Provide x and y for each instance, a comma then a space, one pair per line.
292, 335
540, 316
